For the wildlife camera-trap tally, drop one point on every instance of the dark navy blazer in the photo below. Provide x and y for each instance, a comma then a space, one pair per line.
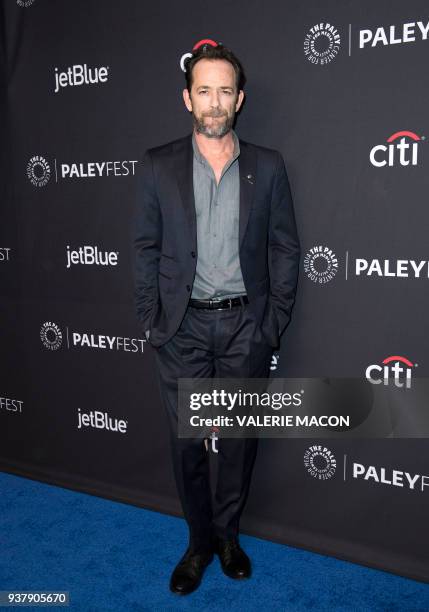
165, 238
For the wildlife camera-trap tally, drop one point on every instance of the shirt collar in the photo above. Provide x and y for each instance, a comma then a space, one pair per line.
201, 157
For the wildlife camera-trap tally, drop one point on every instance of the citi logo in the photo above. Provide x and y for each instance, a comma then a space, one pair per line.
204, 41
401, 148
394, 367
79, 74
100, 420
91, 256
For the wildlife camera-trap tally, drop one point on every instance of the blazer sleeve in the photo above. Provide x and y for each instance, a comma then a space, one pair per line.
283, 247
147, 244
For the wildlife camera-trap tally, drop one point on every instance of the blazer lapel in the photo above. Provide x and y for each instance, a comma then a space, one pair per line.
247, 166
185, 180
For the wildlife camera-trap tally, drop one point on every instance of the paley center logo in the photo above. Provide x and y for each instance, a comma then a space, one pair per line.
39, 169
80, 74
91, 256
320, 264
322, 43
51, 336
395, 368
401, 148
320, 462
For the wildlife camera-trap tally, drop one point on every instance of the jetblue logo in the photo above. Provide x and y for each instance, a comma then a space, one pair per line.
80, 75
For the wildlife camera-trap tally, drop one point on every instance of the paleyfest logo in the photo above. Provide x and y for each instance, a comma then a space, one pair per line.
396, 368
39, 170
5, 253
396, 268
320, 462
320, 264
391, 477
393, 36
52, 339
322, 43
401, 148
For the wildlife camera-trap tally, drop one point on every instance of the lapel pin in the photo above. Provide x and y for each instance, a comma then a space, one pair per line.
249, 177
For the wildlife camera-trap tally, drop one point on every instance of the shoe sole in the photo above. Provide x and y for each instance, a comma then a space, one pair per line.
236, 577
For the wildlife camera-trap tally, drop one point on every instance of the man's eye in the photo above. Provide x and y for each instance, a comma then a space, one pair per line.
203, 91
227, 92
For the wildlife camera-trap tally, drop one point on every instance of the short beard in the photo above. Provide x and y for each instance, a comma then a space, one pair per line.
213, 131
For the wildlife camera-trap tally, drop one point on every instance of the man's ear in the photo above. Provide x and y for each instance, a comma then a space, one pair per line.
187, 100
240, 99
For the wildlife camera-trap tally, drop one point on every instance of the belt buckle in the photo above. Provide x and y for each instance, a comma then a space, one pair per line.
230, 303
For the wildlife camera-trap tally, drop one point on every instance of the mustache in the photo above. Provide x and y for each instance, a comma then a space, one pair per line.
215, 113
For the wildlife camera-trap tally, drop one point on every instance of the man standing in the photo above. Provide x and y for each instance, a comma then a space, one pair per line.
217, 258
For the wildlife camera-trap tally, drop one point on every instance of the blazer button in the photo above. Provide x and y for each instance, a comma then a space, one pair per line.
188, 287
193, 253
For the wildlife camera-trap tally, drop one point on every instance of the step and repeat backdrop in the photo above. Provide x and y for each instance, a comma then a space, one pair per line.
340, 89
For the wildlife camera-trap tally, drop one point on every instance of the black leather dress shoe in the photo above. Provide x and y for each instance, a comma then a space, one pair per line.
187, 574
234, 561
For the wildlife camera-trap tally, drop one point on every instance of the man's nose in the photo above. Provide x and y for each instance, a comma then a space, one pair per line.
215, 101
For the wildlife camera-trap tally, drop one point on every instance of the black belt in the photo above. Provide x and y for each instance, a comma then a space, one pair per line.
219, 304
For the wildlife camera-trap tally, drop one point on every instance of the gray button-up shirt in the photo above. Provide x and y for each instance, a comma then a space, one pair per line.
218, 273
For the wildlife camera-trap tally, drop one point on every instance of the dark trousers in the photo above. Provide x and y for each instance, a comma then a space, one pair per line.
220, 344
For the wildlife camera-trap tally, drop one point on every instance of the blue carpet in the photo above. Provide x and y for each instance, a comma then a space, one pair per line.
113, 556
